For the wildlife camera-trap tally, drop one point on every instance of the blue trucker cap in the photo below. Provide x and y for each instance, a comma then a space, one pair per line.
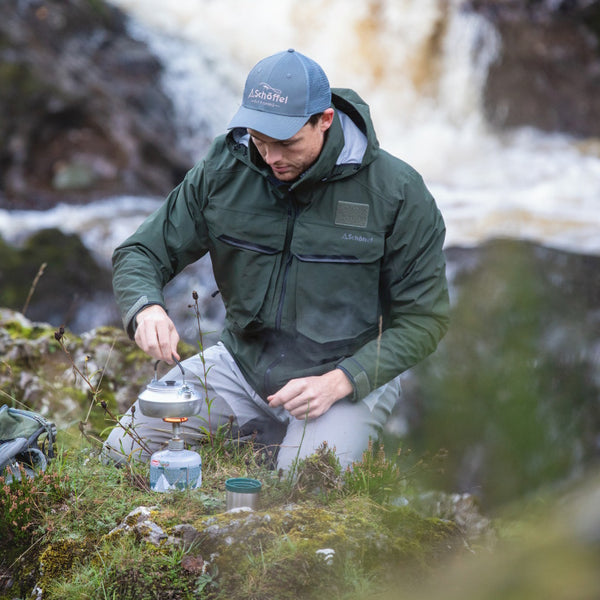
281, 93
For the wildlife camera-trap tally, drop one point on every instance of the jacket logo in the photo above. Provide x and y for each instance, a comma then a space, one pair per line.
363, 239
266, 93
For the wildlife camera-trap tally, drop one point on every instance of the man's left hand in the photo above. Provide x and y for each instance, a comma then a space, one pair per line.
310, 397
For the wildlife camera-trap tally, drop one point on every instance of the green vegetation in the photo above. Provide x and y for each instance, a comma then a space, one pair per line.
68, 531
511, 391
72, 533
56, 531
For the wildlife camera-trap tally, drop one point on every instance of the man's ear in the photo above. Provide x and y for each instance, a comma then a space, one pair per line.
326, 119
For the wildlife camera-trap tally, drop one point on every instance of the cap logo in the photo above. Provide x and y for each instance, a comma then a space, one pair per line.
266, 95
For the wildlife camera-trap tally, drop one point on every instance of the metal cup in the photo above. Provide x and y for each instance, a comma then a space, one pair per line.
242, 492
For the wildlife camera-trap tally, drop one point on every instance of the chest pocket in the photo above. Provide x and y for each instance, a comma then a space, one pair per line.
246, 256
337, 291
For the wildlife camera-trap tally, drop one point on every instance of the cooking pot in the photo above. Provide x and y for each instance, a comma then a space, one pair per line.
170, 398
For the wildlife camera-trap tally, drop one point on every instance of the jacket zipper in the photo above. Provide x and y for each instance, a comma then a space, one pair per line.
292, 212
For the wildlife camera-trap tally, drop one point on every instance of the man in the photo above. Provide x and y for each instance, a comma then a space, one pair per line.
327, 252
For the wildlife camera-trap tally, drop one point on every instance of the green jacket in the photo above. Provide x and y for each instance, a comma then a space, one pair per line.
343, 268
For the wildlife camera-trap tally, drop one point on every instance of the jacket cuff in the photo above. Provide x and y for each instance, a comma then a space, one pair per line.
129, 318
358, 377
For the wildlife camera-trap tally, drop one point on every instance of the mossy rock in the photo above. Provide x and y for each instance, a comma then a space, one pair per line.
40, 374
69, 276
274, 553
58, 558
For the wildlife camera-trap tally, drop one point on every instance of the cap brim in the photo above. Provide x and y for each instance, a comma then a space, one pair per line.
278, 127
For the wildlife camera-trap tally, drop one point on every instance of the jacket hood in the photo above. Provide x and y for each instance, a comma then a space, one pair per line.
351, 141
357, 126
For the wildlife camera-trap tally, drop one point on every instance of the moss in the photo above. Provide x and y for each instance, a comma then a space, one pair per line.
17, 330
134, 571
25, 575
265, 554
27, 331
112, 535
422, 540
276, 550
58, 558
122, 568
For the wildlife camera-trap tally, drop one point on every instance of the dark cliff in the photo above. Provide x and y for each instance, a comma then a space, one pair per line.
82, 114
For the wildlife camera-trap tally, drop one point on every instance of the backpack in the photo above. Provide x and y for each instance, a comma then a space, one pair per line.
26, 443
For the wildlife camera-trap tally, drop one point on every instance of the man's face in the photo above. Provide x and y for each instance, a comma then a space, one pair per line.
289, 158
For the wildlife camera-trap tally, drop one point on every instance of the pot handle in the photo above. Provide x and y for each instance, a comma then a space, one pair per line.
178, 364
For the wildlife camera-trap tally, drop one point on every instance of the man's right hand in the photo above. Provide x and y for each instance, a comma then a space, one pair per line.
156, 334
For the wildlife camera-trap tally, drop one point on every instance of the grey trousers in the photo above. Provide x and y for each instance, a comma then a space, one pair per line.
346, 426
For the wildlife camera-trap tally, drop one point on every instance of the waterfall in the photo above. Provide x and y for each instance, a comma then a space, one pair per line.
421, 66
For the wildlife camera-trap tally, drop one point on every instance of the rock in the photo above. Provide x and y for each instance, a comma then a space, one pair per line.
82, 113
549, 551
188, 535
306, 543
36, 370
462, 509
327, 554
193, 564
139, 522
53, 277
548, 71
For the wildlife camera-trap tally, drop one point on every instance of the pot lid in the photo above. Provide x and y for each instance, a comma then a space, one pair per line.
177, 389
167, 385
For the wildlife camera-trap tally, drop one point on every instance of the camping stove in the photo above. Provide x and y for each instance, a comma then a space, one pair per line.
174, 468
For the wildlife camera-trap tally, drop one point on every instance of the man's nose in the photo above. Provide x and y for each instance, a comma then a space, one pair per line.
272, 154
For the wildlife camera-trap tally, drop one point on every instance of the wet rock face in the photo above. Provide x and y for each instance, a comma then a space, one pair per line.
59, 281
81, 109
548, 72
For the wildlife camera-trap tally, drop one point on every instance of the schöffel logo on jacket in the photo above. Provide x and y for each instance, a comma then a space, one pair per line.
363, 239
265, 94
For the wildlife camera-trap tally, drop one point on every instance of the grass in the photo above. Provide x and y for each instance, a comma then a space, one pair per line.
57, 530
61, 539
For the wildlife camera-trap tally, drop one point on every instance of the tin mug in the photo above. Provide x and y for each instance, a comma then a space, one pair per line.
242, 491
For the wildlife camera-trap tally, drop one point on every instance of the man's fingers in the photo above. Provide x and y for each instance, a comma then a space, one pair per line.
312, 396
156, 334
297, 398
166, 340
291, 391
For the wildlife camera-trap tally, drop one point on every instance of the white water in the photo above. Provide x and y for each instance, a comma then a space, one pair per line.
420, 64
